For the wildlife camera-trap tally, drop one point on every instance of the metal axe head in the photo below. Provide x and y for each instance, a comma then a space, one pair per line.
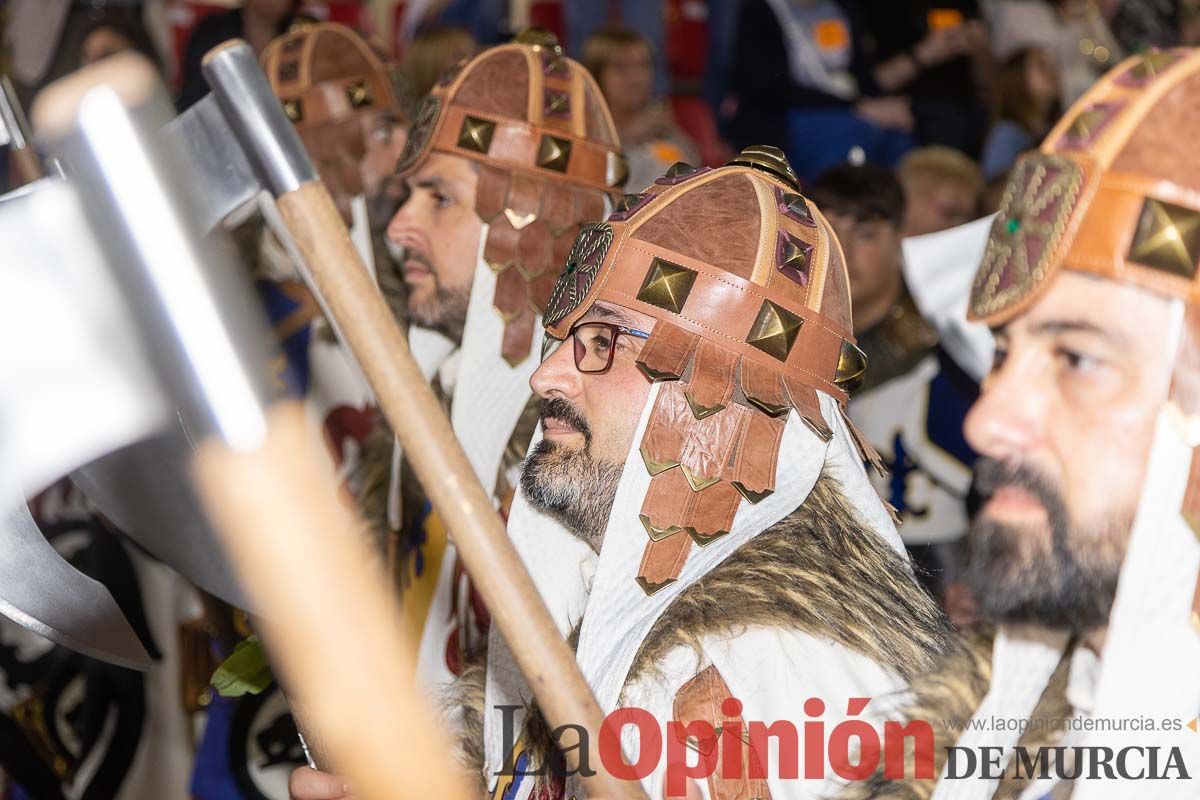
116, 320
238, 141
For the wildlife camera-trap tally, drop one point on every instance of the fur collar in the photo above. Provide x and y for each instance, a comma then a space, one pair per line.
947, 697
819, 570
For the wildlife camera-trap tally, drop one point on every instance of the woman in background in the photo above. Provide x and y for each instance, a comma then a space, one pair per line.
622, 62
1027, 89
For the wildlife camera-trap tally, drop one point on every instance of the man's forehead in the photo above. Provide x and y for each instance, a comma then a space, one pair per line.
443, 167
1076, 301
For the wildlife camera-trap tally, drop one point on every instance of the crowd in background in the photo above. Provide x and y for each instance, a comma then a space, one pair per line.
901, 117
829, 81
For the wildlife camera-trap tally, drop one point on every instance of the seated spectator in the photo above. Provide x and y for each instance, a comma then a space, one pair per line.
1027, 104
110, 33
621, 61
935, 53
1076, 34
912, 403
256, 21
803, 80
432, 52
942, 188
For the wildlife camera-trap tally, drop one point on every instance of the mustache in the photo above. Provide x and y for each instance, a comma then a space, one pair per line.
560, 409
990, 475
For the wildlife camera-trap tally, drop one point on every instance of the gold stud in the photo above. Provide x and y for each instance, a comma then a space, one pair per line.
851, 367
654, 467
358, 94
1167, 238
294, 110
1151, 65
652, 588
476, 134
823, 432
770, 160
616, 169
658, 534
519, 221
680, 169
627, 202
704, 540
554, 153
1087, 124
793, 258
701, 411
539, 39
774, 330
698, 483
556, 103
753, 497
667, 285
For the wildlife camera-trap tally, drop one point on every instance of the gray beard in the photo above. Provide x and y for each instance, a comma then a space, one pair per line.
573, 488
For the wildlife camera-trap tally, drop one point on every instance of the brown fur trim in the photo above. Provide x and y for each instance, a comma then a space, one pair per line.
821, 571
467, 695
947, 697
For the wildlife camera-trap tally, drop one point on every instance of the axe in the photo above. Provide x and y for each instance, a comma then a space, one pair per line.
252, 129
152, 283
14, 132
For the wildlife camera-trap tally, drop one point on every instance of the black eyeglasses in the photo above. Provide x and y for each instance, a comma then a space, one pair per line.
594, 344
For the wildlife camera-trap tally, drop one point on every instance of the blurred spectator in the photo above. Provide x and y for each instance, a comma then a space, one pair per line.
1189, 24
803, 81
1075, 33
942, 188
865, 205
1142, 24
257, 21
935, 52
1027, 91
433, 51
586, 17
110, 34
620, 60
913, 400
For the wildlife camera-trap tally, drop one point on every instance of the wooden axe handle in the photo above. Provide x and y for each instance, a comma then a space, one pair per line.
330, 620
29, 169
429, 443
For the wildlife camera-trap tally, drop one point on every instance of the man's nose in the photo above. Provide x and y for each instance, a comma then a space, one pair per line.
1007, 421
412, 217
557, 375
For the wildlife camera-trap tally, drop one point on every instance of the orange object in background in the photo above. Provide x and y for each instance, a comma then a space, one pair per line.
939, 19
831, 34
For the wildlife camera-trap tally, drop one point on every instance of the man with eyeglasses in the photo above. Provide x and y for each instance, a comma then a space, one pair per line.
696, 513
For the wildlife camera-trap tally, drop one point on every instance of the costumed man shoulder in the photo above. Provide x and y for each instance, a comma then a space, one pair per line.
511, 152
696, 513
1083, 557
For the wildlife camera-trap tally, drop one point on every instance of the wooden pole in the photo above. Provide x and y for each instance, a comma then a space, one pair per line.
333, 628
410, 407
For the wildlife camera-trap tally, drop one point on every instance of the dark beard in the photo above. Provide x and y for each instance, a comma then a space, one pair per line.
1067, 581
446, 309
571, 485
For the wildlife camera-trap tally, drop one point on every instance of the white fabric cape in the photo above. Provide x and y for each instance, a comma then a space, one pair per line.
487, 399
616, 615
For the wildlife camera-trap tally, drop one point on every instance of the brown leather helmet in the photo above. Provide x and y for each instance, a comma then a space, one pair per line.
331, 83
748, 284
1114, 191
548, 153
